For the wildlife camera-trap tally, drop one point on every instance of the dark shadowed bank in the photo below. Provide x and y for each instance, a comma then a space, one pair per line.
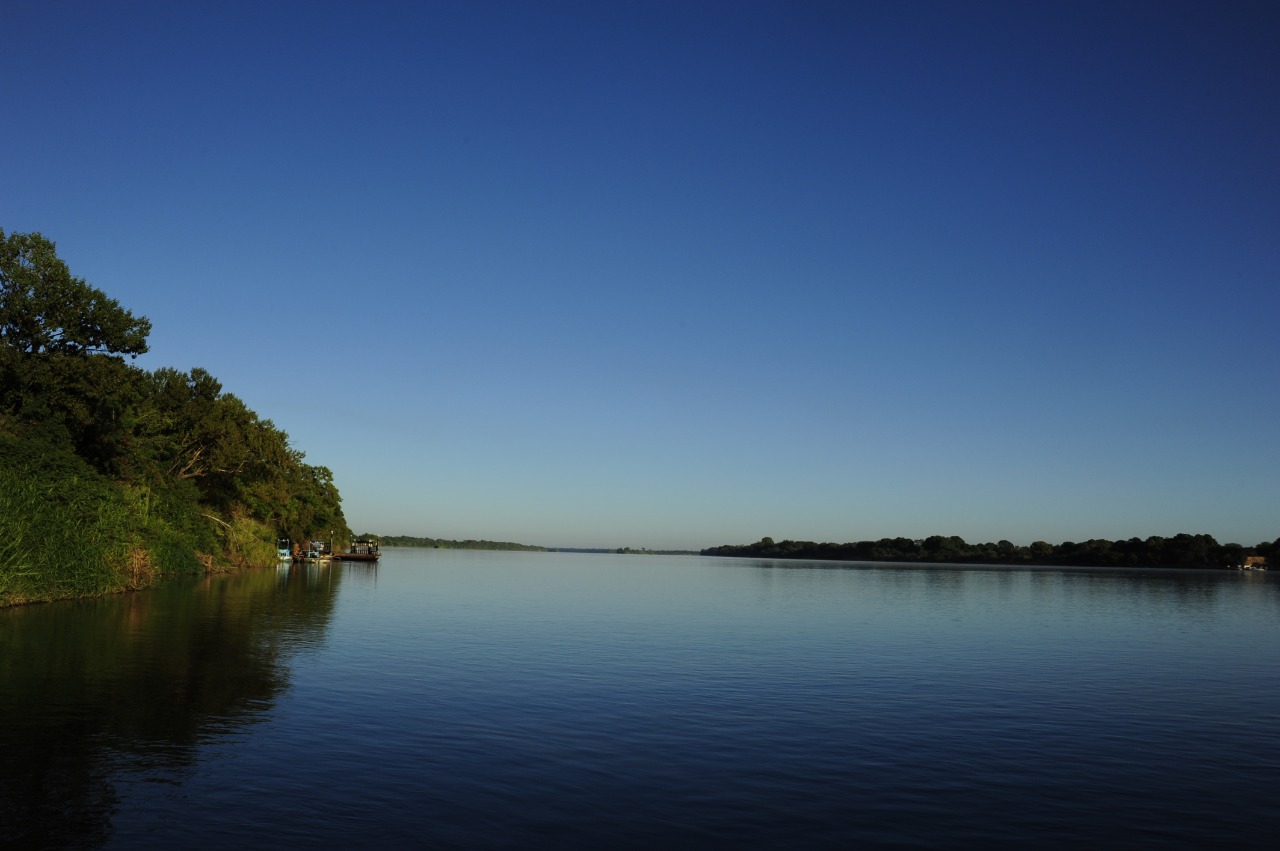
111, 475
1182, 550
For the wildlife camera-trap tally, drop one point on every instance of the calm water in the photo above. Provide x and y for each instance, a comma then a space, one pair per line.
455, 699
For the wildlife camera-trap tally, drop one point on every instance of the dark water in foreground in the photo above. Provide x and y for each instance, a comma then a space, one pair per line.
455, 699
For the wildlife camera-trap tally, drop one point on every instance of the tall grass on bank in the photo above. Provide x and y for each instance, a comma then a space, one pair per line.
68, 531
246, 542
65, 536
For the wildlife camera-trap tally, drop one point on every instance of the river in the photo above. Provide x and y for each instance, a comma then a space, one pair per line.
453, 699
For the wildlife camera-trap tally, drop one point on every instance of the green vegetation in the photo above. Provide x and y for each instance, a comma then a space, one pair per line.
1183, 550
442, 544
642, 551
111, 475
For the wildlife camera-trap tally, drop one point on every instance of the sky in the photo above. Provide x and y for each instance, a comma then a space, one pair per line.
680, 274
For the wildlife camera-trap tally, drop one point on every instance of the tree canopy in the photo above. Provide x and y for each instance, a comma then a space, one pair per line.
44, 308
1182, 550
189, 464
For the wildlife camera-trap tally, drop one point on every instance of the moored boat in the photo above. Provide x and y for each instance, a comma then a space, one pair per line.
319, 551
362, 550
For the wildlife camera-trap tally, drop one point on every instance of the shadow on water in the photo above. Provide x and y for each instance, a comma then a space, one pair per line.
134, 683
1177, 586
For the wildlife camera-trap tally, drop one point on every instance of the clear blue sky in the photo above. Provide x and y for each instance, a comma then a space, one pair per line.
677, 274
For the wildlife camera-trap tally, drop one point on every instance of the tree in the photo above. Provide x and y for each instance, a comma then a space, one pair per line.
61, 374
194, 429
44, 309
82, 403
1040, 550
939, 548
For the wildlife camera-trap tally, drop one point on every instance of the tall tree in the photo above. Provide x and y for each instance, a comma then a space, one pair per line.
62, 342
44, 308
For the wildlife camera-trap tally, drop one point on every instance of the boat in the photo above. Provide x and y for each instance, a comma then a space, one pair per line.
284, 549
362, 550
319, 551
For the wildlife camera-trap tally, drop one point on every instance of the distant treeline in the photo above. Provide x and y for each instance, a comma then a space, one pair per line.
1182, 550
443, 544
646, 552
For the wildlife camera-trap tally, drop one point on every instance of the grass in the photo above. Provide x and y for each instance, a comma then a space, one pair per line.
64, 536
67, 531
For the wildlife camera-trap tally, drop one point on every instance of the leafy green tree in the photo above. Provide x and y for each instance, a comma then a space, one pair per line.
1184, 550
62, 371
1040, 550
939, 548
44, 308
61, 341
192, 430
192, 476
314, 507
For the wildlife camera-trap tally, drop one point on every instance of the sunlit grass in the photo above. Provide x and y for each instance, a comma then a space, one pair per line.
62, 537
66, 531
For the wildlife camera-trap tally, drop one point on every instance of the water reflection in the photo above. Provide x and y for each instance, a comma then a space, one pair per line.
360, 572
1193, 590
135, 682
471, 699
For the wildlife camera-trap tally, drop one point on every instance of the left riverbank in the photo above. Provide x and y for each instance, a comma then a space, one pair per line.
112, 475
67, 531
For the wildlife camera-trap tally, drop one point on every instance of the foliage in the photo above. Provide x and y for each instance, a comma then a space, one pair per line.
65, 530
44, 309
248, 542
135, 472
61, 372
1182, 550
647, 552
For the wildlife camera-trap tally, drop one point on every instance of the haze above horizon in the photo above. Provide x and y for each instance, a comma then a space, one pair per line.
674, 275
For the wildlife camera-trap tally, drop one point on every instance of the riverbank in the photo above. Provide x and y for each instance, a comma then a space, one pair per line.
112, 475
1179, 551
67, 531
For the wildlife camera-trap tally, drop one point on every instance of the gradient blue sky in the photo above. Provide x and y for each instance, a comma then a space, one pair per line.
682, 274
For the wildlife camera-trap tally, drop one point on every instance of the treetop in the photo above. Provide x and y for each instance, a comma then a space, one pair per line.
44, 308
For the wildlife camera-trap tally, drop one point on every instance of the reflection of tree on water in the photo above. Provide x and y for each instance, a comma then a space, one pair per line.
1178, 587
360, 572
134, 682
